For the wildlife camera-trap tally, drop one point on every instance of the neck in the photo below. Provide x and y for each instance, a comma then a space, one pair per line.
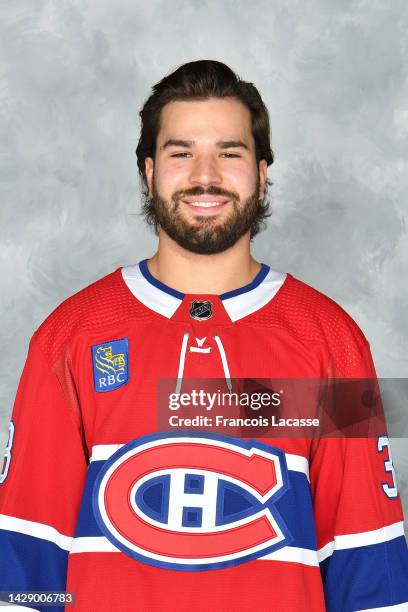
206, 274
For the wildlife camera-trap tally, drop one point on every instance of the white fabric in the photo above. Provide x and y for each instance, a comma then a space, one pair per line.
182, 359
151, 296
354, 540
403, 607
292, 554
224, 362
11, 608
295, 463
240, 306
237, 307
288, 553
37, 530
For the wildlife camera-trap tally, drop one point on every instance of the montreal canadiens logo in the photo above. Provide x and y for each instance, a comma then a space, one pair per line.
192, 500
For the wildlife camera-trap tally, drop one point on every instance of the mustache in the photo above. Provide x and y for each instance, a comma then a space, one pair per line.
200, 191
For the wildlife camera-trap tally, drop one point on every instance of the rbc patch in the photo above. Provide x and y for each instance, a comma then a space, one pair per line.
110, 363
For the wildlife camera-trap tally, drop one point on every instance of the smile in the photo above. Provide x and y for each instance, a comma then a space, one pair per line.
206, 204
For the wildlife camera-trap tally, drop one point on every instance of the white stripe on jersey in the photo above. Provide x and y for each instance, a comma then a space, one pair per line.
295, 463
92, 544
293, 555
354, 540
402, 607
37, 530
287, 553
11, 608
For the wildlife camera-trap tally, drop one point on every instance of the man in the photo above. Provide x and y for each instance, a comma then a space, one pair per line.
99, 500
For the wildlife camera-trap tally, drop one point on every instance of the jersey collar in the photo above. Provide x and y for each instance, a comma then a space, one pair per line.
238, 303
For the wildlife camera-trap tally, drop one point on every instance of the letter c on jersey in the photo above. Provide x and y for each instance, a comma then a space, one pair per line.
192, 500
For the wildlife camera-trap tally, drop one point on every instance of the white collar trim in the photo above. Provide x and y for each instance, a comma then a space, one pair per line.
148, 294
245, 304
237, 306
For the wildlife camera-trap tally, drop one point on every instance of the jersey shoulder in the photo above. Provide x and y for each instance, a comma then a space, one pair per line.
101, 305
313, 318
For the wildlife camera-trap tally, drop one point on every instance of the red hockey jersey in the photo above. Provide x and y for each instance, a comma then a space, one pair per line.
95, 500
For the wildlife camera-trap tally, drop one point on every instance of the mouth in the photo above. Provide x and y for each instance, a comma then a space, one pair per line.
206, 204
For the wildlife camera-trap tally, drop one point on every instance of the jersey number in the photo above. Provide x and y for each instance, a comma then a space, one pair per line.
390, 491
7, 454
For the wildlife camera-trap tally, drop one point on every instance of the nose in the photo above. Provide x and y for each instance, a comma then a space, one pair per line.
205, 171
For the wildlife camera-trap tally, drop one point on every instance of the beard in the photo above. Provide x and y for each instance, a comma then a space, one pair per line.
206, 236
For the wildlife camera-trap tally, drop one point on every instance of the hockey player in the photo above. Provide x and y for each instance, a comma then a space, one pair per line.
99, 502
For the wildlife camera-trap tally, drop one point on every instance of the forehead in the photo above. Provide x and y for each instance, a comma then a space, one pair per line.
206, 120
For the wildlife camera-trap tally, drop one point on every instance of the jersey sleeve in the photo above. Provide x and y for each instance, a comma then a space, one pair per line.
359, 522
41, 480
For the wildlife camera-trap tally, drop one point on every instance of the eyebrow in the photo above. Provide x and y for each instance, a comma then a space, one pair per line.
221, 144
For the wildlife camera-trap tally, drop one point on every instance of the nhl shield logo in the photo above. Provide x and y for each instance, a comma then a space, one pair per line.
110, 363
201, 310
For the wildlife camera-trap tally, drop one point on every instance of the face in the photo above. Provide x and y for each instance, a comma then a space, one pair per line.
204, 183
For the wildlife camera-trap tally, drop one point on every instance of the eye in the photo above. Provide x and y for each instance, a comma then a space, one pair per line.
230, 155
180, 155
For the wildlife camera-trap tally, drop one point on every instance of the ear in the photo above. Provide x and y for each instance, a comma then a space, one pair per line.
149, 166
263, 175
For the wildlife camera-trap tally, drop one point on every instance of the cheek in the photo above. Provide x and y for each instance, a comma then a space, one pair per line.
170, 177
242, 178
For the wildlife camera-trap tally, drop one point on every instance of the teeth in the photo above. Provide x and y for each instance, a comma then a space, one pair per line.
206, 204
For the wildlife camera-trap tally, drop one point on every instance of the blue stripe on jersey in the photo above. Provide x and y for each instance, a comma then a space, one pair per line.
44, 568
375, 576
262, 274
295, 502
87, 525
154, 281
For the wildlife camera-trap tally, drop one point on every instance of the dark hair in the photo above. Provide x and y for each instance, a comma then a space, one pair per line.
200, 80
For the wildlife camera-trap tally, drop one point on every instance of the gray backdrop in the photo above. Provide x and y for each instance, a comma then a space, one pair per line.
334, 76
